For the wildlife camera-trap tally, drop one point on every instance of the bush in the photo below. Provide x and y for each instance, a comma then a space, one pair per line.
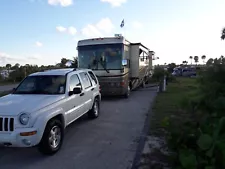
159, 73
199, 142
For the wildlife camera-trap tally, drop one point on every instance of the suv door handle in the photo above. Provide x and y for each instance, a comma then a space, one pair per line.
81, 94
92, 89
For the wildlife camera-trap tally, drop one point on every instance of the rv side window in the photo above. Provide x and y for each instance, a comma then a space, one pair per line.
127, 57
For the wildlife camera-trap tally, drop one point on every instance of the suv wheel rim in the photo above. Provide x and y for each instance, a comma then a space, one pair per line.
55, 137
96, 108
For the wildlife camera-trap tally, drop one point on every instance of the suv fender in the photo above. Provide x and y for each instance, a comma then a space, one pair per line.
41, 122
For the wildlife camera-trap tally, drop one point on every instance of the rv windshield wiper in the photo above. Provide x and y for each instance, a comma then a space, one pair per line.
95, 62
103, 66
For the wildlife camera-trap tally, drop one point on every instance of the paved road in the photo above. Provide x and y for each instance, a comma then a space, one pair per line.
7, 87
108, 142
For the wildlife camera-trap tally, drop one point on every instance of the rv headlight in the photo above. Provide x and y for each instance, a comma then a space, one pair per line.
24, 118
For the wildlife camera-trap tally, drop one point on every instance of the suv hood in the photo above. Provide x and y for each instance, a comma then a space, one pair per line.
14, 104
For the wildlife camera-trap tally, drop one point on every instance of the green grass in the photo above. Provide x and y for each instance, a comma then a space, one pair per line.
168, 103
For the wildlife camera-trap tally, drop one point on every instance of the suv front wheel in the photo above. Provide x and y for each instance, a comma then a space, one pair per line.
52, 138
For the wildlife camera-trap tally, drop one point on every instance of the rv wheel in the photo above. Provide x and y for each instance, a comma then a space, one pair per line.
143, 84
128, 92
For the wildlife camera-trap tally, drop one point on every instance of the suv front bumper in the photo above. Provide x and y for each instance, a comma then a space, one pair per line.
23, 137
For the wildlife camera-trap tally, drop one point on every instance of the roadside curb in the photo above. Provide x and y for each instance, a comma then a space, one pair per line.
143, 137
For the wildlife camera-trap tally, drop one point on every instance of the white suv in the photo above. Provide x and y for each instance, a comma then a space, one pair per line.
44, 104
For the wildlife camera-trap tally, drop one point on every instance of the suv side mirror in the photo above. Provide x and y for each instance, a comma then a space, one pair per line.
76, 90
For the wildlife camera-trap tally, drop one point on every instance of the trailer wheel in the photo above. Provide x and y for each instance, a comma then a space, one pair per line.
143, 83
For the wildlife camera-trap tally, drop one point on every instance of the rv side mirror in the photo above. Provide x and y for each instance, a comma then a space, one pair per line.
124, 62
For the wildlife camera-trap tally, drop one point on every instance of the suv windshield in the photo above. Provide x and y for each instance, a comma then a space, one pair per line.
46, 84
101, 57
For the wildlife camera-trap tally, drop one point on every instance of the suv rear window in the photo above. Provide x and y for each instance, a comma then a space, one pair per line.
93, 77
86, 80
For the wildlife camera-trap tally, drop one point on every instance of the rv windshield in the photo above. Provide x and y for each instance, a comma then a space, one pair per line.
101, 57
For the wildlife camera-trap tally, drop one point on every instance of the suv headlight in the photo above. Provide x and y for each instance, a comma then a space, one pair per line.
24, 118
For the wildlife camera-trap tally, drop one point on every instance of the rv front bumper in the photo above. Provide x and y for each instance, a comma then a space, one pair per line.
113, 91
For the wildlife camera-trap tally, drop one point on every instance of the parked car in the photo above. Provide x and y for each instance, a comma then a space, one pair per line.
38, 111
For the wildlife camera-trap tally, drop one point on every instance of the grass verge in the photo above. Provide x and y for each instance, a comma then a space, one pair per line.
167, 104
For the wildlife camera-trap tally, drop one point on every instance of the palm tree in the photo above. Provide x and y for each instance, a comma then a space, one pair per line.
203, 58
222, 59
75, 62
190, 57
209, 62
185, 62
196, 59
8, 67
223, 34
63, 62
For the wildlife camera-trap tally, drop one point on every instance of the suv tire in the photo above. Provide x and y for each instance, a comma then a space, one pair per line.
52, 138
94, 112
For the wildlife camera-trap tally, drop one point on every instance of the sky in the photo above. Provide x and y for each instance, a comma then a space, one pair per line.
43, 31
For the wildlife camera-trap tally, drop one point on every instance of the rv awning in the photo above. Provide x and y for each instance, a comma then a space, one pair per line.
142, 49
141, 46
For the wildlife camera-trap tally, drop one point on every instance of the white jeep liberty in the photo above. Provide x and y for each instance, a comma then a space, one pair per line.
44, 104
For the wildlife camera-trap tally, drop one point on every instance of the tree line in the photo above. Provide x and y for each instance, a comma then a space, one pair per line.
18, 72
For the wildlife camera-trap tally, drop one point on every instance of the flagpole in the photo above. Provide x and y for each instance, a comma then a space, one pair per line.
122, 27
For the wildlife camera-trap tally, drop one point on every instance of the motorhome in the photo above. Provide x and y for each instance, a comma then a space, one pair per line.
121, 66
184, 71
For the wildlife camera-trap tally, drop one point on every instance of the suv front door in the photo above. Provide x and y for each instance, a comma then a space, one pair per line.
75, 103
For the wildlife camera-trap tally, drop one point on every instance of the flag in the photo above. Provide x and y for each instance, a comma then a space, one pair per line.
122, 23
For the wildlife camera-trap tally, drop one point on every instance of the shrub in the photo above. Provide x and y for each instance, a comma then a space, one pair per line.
199, 142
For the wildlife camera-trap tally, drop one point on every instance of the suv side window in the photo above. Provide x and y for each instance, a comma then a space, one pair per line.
86, 80
74, 82
93, 77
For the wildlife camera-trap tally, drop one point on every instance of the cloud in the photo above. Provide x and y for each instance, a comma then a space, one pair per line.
90, 31
34, 57
39, 44
63, 3
101, 28
137, 25
115, 3
72, 30
6, 58
61, 29
105, 25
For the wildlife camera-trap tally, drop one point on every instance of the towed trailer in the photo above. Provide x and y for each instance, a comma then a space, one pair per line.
120, 66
